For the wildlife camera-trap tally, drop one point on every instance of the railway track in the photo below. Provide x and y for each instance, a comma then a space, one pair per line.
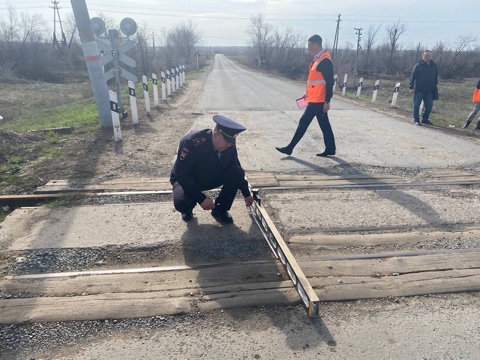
423, 245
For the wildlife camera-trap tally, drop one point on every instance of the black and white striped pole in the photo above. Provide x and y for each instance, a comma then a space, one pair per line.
177, 77
359, 90
169, 88
155, 90
117, 132
375, 91
344, 90
334, 82
133, 102
146, 94
180, 68
395, 95
184, 73
172, 74
162, 80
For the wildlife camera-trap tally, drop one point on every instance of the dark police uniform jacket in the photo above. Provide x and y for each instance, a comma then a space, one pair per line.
198, 164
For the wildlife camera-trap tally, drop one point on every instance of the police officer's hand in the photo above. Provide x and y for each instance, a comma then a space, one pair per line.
249, 201
207, 204
326, 107
410, 91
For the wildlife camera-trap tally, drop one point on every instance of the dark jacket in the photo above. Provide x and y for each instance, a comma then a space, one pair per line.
424, 77
198, 164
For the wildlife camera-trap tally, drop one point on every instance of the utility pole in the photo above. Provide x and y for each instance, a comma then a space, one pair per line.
359, 34
55, 14
153, 40
94, 63
335, 41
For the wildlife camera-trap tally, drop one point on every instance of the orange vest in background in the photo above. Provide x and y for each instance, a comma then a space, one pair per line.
476, 95
316, 85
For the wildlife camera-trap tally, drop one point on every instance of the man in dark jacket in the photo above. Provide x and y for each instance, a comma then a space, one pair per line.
206, 160
424, 82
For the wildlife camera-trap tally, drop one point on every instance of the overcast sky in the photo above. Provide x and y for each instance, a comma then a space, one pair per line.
223, 22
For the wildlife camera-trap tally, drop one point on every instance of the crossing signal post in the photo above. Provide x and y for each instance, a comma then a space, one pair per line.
115, 52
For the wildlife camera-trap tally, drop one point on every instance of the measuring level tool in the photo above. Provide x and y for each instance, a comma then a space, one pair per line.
281, 251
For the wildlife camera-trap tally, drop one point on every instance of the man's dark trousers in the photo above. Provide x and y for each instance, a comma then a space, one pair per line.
230, 179
315, 110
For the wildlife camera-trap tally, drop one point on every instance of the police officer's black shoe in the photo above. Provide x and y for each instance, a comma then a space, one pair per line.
187, 216
222, 216
467, 124
427, 122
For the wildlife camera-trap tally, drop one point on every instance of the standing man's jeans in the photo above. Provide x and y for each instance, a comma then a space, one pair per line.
427, 98
476, 109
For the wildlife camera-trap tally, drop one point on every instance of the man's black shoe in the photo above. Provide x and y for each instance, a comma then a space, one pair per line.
467, 124
427, 122
285, 150
222, 216
326, 153
187, 216
417, 123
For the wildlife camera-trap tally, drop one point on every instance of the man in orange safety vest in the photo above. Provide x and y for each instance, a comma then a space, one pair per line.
318, 93
476, 108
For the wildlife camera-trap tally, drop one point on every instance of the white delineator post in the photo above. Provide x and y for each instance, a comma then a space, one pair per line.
162, 80
177, 77
184, 72
117, 132
146, 94
334, 82
375, 90
395, 94
155, 90
133, 102
172, 74
169, 88
359, 90
181, 75
344, 90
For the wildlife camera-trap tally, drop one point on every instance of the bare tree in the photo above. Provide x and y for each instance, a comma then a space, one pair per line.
184, 37
369, 42
461, 44
260, 36
394, 31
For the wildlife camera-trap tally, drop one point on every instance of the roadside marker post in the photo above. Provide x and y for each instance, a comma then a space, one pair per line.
282, 252
172, 74
359, 90
117, 132
344, 90
334, 82
133, 101
395, 95
375, 90
177, 77
162, 79
155, 90
169, 89
181, 75
146, 94
184, 73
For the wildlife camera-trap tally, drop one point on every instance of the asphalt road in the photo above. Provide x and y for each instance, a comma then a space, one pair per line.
266, 106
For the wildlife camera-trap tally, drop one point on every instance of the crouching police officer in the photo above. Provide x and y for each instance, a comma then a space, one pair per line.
208, 159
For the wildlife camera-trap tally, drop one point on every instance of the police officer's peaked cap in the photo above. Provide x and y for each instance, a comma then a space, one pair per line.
228, 128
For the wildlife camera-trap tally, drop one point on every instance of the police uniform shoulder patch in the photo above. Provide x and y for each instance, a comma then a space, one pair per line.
199, 141
183, 154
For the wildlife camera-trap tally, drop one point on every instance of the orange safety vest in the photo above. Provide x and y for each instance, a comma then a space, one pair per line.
316, 84
476, 95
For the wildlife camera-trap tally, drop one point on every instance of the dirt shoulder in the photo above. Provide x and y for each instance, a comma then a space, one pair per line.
146, 149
